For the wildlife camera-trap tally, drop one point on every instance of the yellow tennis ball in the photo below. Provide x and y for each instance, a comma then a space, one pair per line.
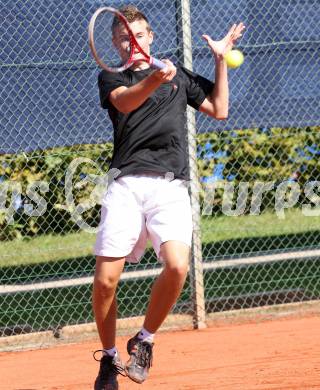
234, 58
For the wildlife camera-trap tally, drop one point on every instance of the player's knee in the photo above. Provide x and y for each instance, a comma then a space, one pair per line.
177, 270
105, 287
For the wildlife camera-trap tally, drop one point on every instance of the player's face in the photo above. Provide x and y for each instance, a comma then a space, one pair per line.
142, 34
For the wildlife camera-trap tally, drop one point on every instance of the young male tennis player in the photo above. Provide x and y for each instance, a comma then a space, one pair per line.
147, 110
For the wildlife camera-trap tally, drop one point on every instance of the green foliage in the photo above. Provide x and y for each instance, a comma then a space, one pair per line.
49, 166
270, 155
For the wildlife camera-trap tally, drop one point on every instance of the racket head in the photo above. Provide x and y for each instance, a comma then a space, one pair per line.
112, 54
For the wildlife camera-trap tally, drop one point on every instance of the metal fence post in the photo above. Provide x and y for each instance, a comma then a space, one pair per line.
196, 269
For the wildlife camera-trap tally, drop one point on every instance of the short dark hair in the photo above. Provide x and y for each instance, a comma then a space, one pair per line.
132, 14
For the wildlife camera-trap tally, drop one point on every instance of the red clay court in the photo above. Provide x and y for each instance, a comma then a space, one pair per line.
276, 354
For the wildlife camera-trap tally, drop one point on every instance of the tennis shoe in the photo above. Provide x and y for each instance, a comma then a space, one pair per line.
137, 367
110, 367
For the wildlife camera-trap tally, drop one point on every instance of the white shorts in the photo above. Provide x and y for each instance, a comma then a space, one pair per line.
136, 208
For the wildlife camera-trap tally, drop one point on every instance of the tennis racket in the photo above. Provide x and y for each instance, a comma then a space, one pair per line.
113, 44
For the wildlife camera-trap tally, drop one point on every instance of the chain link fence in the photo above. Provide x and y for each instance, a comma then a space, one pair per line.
255, 177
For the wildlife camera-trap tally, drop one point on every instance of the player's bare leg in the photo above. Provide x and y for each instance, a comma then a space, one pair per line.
165, 292
167, 288
107, 274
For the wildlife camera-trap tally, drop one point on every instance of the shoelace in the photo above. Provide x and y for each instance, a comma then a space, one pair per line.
144, 354
109, 365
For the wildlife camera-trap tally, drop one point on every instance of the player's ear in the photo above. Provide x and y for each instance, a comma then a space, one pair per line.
151, 35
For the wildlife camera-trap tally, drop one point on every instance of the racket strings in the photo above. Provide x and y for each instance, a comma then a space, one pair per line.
112, 40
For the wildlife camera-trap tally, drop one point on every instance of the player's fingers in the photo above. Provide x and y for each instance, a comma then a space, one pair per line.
166, 74
232, 30
237, 34
170, 70
161, 74
207, 38
170, 75
240, 28
236, 31
168, 63
164, 70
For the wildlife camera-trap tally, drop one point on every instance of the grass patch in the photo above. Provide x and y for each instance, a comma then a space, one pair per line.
267, 224
44, 249
221, 236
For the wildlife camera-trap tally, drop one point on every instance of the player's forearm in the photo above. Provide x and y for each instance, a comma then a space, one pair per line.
133, 97
220, 93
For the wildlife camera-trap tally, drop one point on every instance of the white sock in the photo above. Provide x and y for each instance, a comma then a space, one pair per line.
110, 352
144, 335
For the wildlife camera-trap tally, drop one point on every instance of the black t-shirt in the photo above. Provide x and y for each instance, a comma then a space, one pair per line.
153, 138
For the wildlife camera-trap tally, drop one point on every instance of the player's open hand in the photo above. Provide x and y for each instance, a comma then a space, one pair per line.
222, 47
167, 74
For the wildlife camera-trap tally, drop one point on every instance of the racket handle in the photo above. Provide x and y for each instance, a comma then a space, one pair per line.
157, 63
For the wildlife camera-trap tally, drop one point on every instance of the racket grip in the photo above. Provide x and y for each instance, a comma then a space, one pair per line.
157, 63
